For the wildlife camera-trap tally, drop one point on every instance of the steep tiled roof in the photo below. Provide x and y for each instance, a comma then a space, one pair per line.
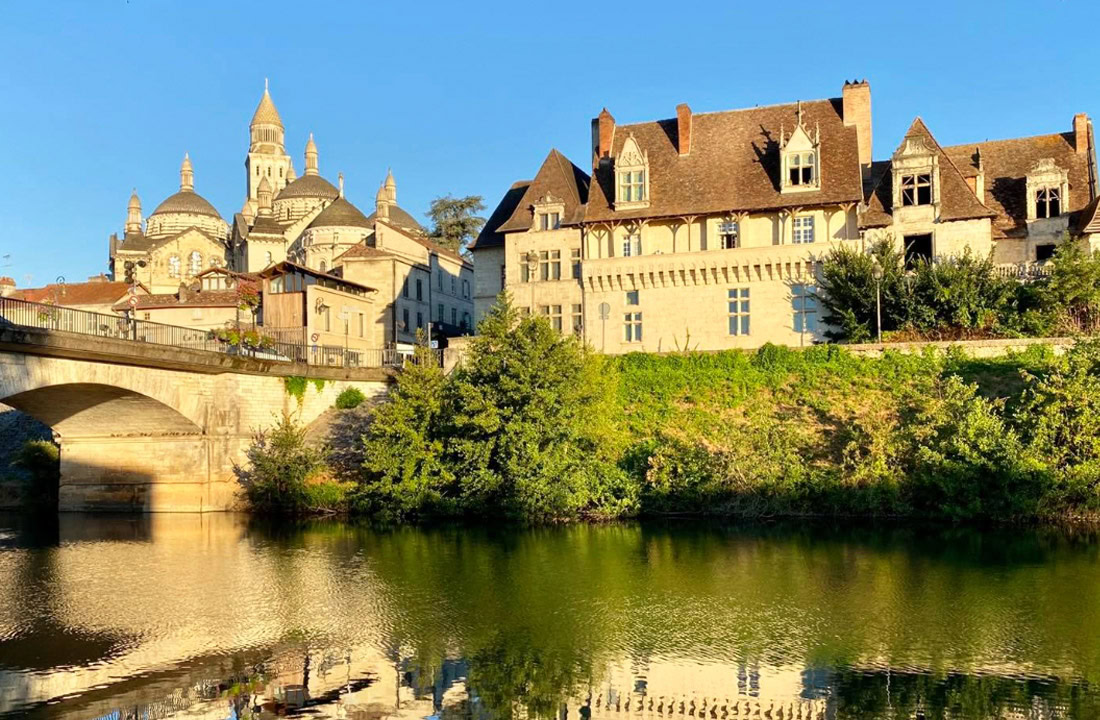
1088, 219
734, 163
266, 225
362, 250
491, 235
89, 293
561, 180
957, 200
197, 298
1006, 164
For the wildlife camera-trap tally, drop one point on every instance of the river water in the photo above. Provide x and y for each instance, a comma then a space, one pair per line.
216, 616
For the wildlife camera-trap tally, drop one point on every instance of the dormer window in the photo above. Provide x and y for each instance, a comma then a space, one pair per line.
916, 189
549, 221
547, 213
801, 158
1047, 190
631, 177
1048, 202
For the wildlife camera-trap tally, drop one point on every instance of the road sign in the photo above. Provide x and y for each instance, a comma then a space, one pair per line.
435, 344
133, 301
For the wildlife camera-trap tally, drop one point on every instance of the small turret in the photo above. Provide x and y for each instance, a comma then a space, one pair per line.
247, 213
133, 214
382, 203
263, 197
311, 156
187, 175
291, 176
391, 187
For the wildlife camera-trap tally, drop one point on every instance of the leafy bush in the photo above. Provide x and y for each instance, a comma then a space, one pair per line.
350, 398
281, 467
41, 460
1071, 295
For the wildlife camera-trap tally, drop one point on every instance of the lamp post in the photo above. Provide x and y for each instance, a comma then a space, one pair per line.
876, 270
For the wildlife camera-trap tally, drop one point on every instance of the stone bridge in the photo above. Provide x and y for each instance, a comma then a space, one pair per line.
152, 427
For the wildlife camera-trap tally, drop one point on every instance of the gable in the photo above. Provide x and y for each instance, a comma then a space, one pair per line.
557, 178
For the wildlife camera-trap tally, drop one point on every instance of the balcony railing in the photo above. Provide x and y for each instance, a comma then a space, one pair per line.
282, 346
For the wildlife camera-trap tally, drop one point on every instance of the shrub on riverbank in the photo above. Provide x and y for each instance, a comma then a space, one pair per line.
285, 474
40, 460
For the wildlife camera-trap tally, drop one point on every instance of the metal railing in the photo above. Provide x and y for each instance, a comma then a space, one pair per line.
22, 313
1024, 272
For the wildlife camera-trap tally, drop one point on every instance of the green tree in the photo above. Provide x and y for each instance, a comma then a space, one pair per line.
847, 291
455, 222
957, 293
1071, 295
281, 465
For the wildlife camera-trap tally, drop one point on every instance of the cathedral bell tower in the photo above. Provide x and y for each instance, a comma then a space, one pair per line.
267, 157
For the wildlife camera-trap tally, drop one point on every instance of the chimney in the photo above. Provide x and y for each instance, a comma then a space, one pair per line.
603, 133
1081, 133
683, 128
856, 109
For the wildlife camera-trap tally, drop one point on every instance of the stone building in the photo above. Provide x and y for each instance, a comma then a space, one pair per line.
707, 230
304, 220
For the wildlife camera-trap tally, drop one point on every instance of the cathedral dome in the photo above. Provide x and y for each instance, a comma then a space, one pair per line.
340, 213
309, 186
186, 201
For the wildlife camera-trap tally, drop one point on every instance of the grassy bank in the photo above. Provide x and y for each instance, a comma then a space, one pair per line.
534, 427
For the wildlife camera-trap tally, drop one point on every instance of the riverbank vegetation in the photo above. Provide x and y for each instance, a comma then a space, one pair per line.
534, 427
962, 297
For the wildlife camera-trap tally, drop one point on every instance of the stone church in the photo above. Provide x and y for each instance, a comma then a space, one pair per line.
305, 221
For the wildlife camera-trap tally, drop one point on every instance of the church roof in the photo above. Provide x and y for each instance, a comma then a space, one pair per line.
398, 217
309, 186
340, 213
266, 114
186, 201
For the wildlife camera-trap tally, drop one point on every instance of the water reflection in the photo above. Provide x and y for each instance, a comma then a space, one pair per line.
213, 616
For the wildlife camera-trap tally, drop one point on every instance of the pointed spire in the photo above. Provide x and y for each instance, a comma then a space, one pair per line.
266, 114
341, 178
187, 175
246, 211
382, 202
311, 156
133, 214
291, 176
391, 187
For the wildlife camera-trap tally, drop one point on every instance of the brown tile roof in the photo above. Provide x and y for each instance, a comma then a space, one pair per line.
490, 235
196, 298
957, 200
1006, 164
362, 250
1088, 220
87, 293
734, 163
560, 179
143, 243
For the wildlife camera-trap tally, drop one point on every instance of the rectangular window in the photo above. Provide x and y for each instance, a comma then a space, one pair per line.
1048, 202
728, 233
578, 319
503, 278
362, 325
803, 229
1044, 252
524, 272
544, 265
632, 245
804, 305
632, 327
405, 319
739, 311
575, 259
800, 169
549, 221
420, 321
466, 289
419, 290
439, 312
405, 288
555, 264
454, 316
916, 189
632, 297
632, 185
439, 278
917, 247
453, 292
328, 320
553, 314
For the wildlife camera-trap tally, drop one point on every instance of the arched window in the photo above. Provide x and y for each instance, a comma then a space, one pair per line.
194, 262
174, 266
324, 267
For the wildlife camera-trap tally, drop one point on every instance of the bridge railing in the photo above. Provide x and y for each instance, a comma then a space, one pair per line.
23, 313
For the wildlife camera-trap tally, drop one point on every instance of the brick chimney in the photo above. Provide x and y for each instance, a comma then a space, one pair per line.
603, 133
856, 108
683, 128
1081, 133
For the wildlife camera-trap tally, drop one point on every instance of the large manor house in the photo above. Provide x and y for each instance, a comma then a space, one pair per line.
707, 230
329, 271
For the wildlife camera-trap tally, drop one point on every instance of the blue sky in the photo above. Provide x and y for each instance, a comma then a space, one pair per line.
463, 98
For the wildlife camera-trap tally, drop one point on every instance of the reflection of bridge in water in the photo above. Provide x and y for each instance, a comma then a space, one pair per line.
157, 419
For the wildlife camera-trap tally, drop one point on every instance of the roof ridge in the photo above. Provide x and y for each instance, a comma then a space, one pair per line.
694, 114
1012, 139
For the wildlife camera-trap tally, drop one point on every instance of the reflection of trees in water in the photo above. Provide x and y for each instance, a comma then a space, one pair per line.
869, 696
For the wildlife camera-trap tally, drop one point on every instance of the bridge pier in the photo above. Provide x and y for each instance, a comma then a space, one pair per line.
179, 473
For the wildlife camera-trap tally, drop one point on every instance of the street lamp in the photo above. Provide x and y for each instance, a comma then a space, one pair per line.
876, 271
